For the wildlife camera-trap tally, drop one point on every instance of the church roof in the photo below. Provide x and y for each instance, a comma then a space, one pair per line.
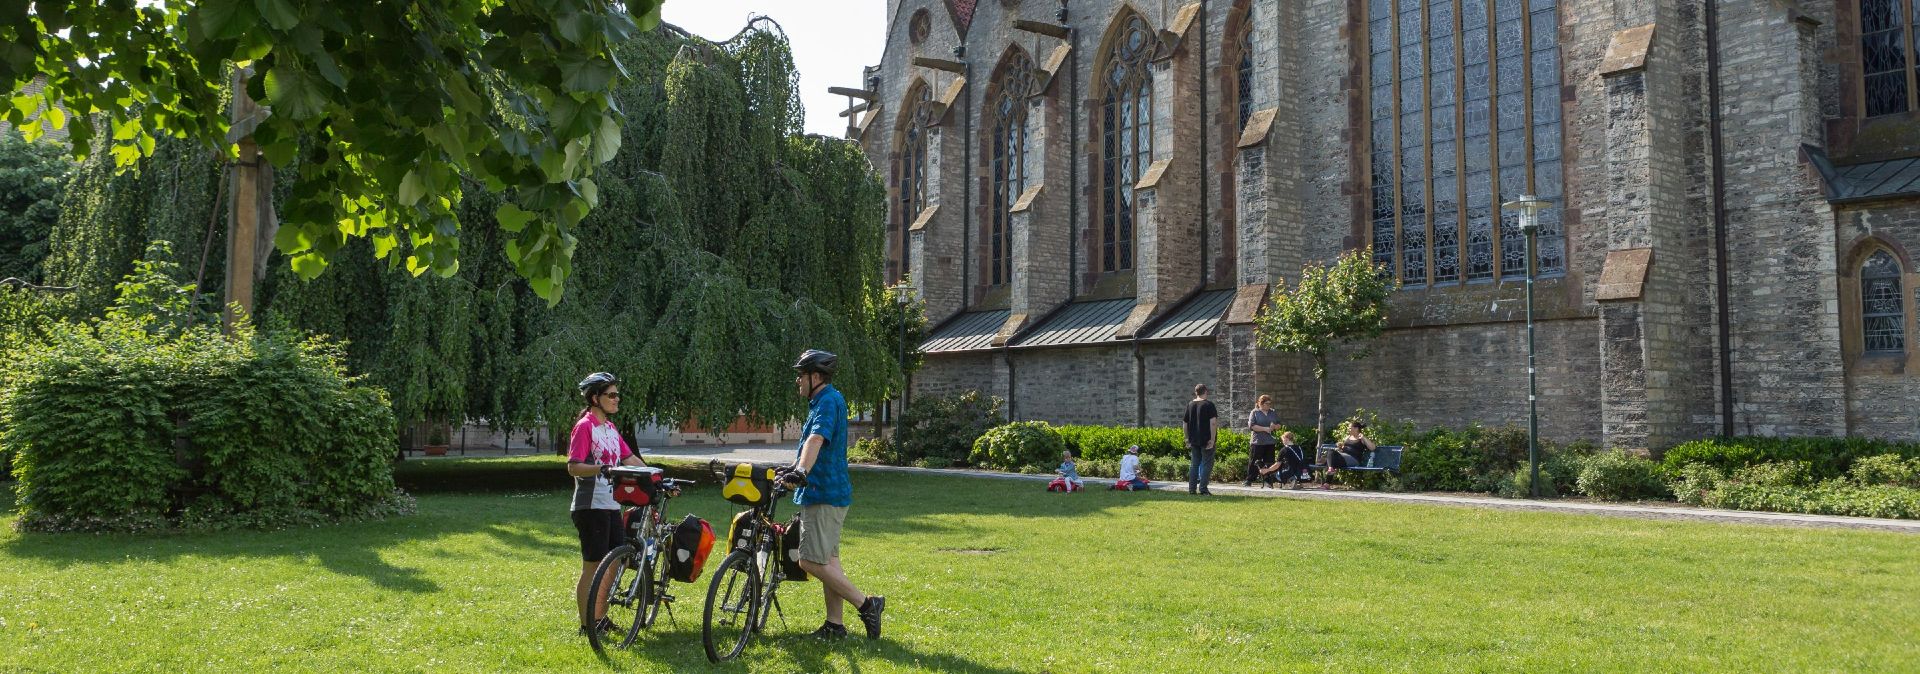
966, 332
1866, 180
1199, 317
1081, 323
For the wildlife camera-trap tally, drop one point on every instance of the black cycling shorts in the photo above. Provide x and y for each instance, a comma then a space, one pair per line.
599, 533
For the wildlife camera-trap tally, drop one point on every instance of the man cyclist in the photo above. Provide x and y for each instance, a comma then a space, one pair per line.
825, 494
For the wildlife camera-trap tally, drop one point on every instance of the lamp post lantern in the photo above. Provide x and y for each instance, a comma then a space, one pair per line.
902, 296
1529, 207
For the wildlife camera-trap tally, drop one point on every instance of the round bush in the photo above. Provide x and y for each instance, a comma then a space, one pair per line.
1019, 446
1619, 476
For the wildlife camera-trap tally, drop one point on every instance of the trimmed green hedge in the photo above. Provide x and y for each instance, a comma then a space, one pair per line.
128, 425
1827, 458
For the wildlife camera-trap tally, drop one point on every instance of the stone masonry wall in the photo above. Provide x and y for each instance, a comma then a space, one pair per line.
1787, 373
1883, 391
1455, 376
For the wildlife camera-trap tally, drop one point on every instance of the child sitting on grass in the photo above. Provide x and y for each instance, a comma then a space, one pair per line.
1069, 479
1130, 479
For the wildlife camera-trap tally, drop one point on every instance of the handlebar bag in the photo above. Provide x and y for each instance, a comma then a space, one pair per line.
749, 485
638, 492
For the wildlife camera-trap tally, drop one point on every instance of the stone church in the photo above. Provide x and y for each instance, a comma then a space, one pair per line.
1096, 197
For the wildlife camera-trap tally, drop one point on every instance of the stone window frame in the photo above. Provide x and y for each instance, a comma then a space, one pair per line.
1011, 84
1107, 191
1478, 227
1852, 308
907, 180
1237, 79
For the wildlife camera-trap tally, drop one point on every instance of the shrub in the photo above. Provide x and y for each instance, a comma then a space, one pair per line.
1828, 457
1695, 483
134, 423
1028, 446
1886, 469
870, 450
939, 431
1619, 476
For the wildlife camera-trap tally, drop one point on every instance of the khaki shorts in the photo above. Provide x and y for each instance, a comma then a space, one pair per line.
820, 532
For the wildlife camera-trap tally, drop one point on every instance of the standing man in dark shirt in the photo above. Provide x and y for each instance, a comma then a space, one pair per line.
1202, 424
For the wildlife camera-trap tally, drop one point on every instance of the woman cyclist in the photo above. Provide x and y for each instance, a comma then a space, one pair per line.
596, 445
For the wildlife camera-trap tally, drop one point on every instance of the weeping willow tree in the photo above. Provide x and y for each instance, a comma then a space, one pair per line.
723, 243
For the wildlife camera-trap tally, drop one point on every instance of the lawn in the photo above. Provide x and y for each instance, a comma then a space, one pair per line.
989, 576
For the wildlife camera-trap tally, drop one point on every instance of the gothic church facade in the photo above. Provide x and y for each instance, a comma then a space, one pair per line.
1095, 198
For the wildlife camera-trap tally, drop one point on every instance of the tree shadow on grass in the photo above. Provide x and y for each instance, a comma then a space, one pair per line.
356, 549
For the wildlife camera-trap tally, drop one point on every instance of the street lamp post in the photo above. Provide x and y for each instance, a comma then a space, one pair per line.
902, 296
1529, 207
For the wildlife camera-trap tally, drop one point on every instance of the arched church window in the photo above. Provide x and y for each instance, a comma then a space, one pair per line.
1007, 144
1881, 304
1126, 136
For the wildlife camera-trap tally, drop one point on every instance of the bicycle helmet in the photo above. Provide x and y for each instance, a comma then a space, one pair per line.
815, 360
597, 382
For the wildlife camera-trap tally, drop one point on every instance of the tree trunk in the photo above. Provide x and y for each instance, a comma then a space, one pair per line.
1320, 414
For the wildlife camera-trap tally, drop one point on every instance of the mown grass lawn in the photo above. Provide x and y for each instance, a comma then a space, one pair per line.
990, 576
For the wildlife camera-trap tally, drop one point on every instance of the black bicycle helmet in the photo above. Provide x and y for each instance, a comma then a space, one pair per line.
815, 360
597, 382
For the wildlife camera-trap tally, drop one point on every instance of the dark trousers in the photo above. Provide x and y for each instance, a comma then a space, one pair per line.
1259, 459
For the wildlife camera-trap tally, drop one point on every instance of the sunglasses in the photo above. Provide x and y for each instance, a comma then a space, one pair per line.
615, 396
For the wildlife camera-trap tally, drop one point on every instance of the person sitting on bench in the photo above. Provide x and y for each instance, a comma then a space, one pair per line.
1352, 450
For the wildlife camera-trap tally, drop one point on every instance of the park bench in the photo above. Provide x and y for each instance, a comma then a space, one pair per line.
1383, 459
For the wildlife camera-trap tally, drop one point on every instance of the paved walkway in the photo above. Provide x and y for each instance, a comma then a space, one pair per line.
1658, 511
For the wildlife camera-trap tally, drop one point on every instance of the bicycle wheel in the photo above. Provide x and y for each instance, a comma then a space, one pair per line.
618, 579
732, 607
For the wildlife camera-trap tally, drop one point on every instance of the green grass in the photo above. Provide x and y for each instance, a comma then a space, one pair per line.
1095, 581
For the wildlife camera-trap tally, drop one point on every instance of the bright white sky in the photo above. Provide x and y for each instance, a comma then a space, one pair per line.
832, 40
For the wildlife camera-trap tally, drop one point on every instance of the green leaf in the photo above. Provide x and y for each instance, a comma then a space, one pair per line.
309, 265
224, 19
411, 189
586, 75
279, 13
649, 19
512, 218
606, 139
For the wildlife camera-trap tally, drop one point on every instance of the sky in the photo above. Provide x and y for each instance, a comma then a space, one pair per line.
831, 39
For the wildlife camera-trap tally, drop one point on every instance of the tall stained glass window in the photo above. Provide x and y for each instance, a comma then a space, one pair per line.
1888, 30
1126, 137
1464, 113
1007, 154
910, 176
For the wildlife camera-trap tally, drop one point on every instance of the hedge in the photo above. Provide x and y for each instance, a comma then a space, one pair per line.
1886, 485
1827, 458
127, 425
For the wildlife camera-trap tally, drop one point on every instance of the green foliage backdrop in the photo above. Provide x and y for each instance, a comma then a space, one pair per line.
724, 242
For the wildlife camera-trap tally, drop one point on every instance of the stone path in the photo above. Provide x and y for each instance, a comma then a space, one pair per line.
1657, 511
